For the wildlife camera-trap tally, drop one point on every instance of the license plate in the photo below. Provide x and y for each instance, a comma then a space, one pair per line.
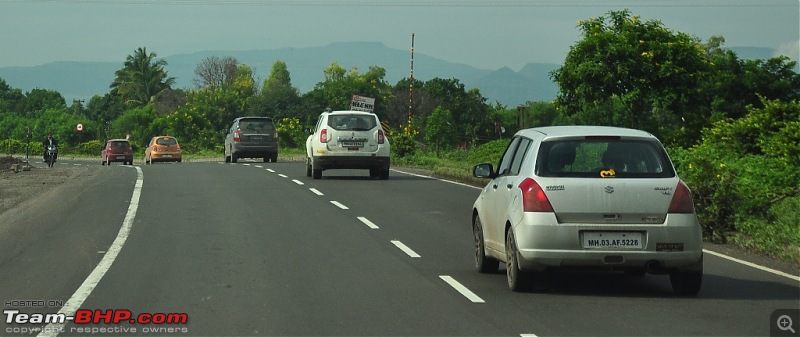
120, 157
630, 240
256, 138
352, 144
166, 155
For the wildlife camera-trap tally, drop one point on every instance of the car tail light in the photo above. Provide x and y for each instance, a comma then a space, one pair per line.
236, 137
178, 147
381, 137
682, 200
323, 136
533, 197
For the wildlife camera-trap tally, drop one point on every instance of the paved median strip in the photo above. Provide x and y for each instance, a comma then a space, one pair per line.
462, 289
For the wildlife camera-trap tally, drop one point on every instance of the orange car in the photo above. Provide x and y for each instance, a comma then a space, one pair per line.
117, 150
162, 148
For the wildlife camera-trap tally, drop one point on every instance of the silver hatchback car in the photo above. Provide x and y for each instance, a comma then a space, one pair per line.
587, 197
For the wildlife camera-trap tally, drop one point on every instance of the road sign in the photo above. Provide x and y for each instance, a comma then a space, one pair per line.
79, 127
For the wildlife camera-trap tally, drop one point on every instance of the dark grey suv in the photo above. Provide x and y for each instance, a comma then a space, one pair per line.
251, 137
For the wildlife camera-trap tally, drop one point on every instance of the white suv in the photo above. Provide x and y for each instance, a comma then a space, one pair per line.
348, 140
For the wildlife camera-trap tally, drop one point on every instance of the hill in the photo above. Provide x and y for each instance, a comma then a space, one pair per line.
82, 80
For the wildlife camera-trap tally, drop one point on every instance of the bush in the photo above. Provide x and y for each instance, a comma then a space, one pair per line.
14, 146
90, 148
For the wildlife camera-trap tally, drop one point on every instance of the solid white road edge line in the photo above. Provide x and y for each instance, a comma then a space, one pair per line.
462, 289
753, 265
367, 222
74, 303
405, 248
746, 263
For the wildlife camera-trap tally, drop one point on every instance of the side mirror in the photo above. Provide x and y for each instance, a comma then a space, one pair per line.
484, 170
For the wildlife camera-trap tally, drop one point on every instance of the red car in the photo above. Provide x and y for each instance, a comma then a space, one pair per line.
118, 150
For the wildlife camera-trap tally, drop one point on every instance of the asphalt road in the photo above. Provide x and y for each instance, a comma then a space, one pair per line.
261, 249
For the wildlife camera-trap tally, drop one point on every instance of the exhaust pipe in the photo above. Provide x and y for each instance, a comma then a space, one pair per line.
653, 267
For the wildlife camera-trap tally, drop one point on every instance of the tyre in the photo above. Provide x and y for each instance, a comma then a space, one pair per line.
148, 161
316, 173
383, 174
234, 159
483, 264
518, 280
227, 159
266, 159
687, 282
275, 158
308, 170
373, 173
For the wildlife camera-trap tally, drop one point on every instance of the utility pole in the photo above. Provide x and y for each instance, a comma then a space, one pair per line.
411, 89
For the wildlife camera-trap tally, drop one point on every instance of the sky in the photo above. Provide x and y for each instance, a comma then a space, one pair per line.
487, 34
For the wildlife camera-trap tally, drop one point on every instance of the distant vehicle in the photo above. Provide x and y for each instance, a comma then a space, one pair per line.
51, 154
591, 198
251, 137
117, 150
163, 148
348, 140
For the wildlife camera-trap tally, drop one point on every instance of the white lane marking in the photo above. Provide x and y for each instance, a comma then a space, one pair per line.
282, 175
74, 303
316, 191
298, 182
271, 170
339, 204
245, 164
259, 166
527, 335
462, 289
405, 248
753, 265
367, 222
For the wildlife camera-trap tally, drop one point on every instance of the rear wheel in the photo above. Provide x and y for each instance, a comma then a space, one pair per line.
687, 282
316, 173
518, 280
483, 264
266, 159
275, 158
233, 158
308, 169
383, 174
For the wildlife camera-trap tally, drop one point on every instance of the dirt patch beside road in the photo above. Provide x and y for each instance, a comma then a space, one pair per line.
26, 186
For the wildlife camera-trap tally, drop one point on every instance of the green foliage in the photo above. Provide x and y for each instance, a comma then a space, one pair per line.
142, 77
741, 168
136, 124
291, 132
402, 144
90, 148
778, 234
637, 74
439, 130
13, 146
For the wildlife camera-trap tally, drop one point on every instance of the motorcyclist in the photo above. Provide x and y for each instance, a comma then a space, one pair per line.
47, 142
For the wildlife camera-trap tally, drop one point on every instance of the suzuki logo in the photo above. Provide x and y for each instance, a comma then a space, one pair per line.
609, 189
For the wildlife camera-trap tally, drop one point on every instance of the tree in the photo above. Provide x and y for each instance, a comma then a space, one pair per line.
636, 74
142, 77
278, 97
439, 129
214, 72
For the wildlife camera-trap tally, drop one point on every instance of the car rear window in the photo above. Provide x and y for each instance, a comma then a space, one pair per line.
256, 125
167, 141
355, 122
591, 158
120, 145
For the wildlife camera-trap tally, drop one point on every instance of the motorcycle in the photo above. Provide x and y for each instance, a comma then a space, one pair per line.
51, 155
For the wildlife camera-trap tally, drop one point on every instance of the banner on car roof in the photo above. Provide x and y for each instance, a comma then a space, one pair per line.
362, 103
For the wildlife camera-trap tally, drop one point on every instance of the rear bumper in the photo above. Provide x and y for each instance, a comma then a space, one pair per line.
119, 158
352, 162
544, 243
165, 156
259, 151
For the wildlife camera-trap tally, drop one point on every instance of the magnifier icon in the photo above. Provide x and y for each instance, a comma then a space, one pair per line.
785, 323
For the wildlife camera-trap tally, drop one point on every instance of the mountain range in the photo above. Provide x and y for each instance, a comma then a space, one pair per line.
83, 80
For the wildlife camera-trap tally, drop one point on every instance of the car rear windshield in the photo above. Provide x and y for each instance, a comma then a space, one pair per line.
166, 141
354, 122
592, 158
120, 145
256, 125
